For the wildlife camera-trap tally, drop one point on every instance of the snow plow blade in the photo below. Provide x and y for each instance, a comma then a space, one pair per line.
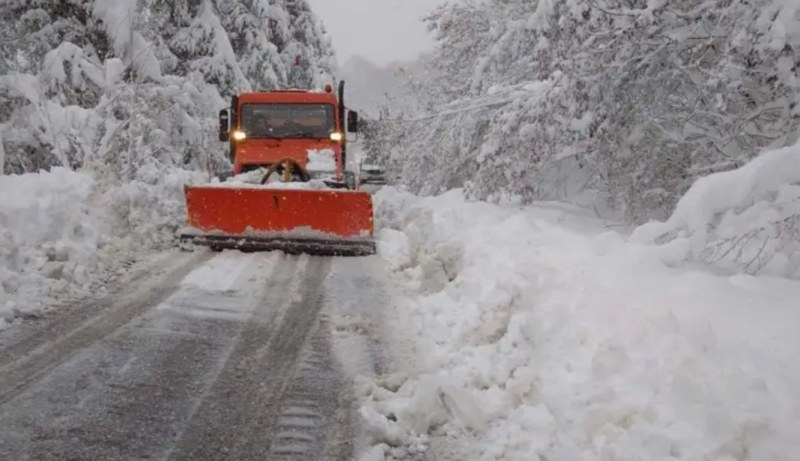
318, 222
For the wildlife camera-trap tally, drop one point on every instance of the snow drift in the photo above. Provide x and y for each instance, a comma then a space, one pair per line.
60, 230
538, 335
745, 220
50, 235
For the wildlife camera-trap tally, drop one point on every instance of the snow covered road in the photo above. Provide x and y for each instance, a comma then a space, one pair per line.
479, 332
195, 356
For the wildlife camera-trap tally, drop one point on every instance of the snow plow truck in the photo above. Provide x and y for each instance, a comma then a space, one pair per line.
290, 188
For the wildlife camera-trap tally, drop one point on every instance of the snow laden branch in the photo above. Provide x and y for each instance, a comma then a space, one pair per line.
645, 98
746, 219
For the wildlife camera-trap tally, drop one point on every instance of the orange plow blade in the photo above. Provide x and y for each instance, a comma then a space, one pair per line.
320, 222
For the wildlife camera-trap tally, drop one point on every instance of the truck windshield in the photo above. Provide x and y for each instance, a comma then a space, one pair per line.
288, 120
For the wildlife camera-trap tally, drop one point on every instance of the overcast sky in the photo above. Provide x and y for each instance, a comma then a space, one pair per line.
381, 30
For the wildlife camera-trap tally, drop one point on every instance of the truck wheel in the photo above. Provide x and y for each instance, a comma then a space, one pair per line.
350, 180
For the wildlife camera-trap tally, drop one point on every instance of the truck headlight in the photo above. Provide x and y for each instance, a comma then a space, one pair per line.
337, 137
239, 135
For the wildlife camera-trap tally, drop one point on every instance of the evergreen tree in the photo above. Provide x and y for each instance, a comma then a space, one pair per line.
123, 84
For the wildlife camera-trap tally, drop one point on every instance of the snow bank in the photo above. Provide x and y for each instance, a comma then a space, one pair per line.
49, 236
538, 336
148, 211
742, 220
60, 230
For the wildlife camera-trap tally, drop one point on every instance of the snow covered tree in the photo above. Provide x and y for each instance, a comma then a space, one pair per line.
628, 100
33, 47
307, 50
124, 84
240, 45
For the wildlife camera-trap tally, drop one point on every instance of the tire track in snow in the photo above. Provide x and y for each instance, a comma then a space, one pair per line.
232, 362
279, 391
30, 357
314, 415
214, 419
124, 396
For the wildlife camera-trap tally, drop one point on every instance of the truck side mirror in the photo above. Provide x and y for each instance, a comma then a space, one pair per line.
224, 126
352, 122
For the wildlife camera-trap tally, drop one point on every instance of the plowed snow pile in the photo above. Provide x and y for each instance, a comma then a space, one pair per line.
538, 334
61, 230
49, 235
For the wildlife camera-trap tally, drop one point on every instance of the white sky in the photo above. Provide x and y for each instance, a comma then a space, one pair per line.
381, 30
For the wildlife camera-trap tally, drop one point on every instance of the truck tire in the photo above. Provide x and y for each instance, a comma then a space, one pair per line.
350, 180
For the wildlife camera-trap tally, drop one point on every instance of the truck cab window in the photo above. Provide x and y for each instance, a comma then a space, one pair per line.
298, 121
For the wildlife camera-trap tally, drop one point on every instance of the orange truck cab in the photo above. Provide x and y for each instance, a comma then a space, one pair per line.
309, 127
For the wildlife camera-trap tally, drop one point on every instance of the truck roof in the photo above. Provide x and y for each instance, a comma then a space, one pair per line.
288, 97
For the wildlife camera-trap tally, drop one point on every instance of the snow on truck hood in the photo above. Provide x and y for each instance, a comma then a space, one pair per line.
311, 185
319, 161
252, 180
